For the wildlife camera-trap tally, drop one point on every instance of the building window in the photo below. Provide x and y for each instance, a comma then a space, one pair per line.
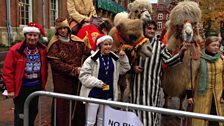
54, 12
160, 8
167, 16
160, 16
159, 25
25, 11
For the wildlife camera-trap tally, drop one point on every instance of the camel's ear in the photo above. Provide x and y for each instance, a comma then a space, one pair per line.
121, 28
108, 23
130, 5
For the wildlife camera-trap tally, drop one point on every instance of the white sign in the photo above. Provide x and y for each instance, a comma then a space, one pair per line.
113, 117
5, 93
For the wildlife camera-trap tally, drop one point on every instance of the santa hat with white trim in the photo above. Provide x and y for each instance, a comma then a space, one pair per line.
34, 27
101, 38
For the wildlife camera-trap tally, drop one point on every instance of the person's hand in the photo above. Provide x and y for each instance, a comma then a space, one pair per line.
11, 95
121, 53
106, 87
137, 69
102, 85
78, 70
185, 46
190, 101
222, 100
222, 97
75, 71
87, 19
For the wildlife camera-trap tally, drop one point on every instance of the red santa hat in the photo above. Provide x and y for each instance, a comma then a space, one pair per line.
34, 27
101, 38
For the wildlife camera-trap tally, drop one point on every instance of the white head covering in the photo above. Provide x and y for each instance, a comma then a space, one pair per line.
101, 38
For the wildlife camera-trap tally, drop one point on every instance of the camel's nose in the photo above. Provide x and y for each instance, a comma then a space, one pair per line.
188, 31
148, 17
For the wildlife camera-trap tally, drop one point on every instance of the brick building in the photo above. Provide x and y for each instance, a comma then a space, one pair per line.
161, 14
44, 12
162, 10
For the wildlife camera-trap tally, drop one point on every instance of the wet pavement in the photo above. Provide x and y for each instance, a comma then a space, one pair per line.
7, 109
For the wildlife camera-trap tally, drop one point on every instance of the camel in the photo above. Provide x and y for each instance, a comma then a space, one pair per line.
128, 36
185, 28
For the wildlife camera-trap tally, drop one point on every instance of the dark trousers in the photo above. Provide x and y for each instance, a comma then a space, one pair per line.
213, 112
19, 105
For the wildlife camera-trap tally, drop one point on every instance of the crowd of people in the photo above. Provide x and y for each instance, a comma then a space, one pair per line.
76, 71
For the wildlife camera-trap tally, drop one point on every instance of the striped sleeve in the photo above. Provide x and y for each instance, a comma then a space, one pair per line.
169, 59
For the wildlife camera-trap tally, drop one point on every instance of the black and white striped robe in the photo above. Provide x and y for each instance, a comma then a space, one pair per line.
146, 85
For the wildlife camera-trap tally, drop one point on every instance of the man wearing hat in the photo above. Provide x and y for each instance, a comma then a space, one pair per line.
65, 53
80, 12
25, 71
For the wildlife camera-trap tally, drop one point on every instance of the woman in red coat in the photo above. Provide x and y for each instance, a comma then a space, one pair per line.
25, 71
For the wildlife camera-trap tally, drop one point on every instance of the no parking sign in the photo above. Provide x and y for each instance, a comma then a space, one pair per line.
113, 117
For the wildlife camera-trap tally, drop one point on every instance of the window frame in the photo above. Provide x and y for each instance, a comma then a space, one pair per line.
160, 16
161, 8
159, 25
55, 11
167, 16
27, 9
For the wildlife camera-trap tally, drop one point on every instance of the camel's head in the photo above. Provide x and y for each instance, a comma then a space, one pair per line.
140, 9
183, 24
131, 30
186, 32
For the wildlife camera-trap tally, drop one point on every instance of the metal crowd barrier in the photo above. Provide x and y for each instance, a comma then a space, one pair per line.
117, 104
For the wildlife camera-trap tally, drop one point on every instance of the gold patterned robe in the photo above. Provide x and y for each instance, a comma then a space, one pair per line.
203, 103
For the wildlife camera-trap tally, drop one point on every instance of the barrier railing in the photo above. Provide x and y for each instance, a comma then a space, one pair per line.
117, 104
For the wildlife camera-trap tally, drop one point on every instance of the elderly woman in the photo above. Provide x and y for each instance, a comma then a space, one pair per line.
99, 75
208, 87
25, 71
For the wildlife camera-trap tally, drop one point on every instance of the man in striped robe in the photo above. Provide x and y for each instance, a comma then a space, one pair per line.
148, 72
